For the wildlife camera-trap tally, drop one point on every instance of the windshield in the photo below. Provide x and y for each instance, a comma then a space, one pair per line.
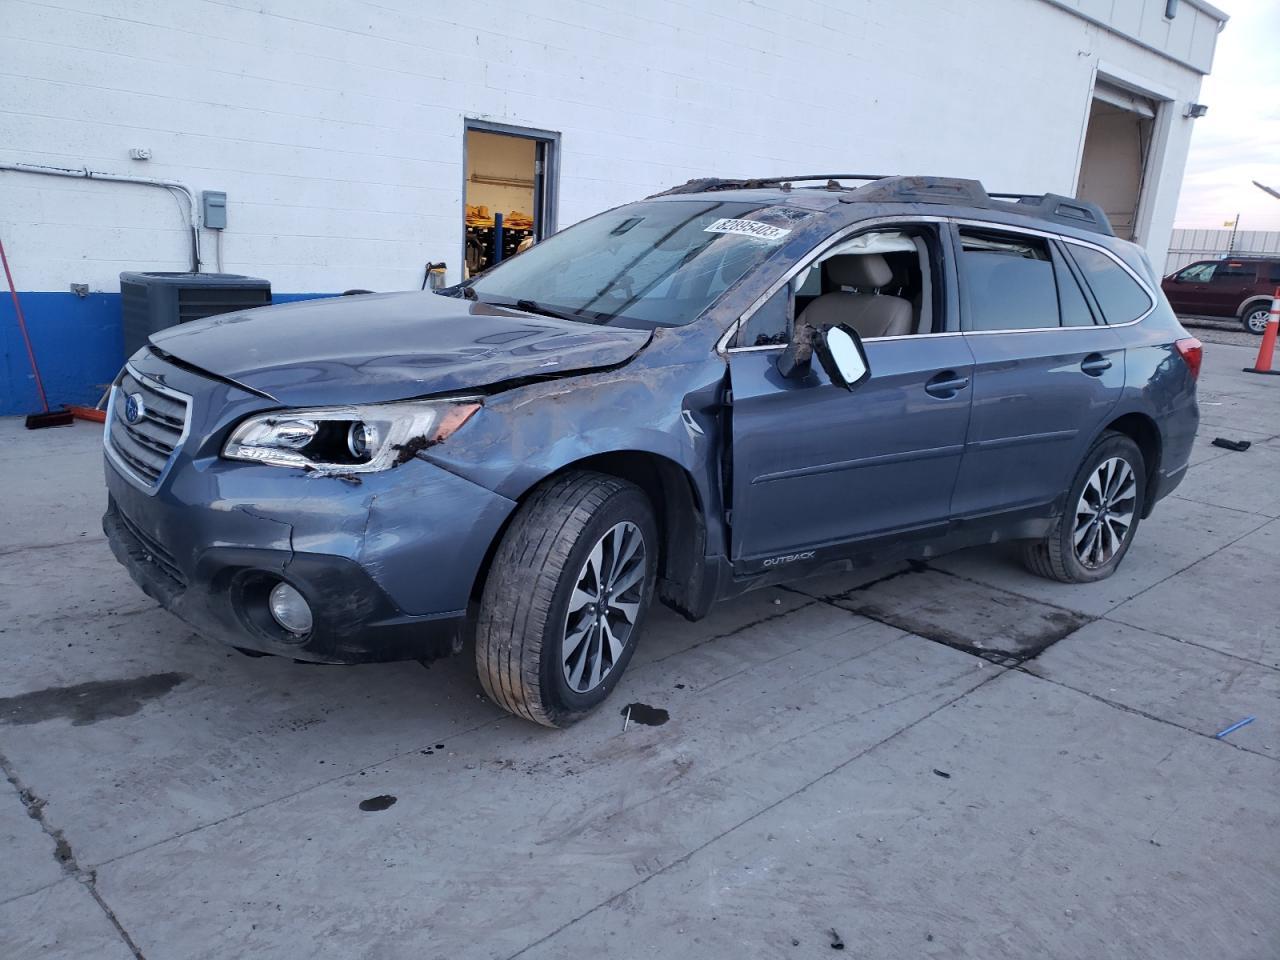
648, 264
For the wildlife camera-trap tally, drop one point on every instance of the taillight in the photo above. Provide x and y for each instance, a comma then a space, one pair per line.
1191, 351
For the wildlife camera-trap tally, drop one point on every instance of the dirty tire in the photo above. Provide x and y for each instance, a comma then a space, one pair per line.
1054, 556
521, 626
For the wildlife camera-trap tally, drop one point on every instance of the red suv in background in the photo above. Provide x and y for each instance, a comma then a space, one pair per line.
1239, 287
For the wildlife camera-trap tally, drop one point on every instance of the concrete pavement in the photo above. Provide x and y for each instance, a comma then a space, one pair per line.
870, 755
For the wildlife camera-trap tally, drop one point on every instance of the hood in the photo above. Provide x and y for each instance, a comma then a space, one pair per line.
389, 346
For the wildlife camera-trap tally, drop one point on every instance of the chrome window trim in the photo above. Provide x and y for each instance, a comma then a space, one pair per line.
142, 483
723, 348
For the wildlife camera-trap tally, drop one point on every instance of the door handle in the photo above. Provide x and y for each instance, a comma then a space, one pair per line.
1095, 364
946, 385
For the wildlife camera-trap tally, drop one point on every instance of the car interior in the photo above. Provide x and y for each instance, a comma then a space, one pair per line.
877, 283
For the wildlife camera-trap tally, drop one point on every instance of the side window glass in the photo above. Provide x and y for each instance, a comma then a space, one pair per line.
1008, 280
1235, 271
1121, 297
1274, 276
1198, 273
770, 325
1071, 302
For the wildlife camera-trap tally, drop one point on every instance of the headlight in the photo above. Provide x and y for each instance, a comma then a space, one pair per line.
348, 439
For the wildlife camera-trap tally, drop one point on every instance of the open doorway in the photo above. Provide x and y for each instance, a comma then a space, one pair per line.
1117, 145
509, 192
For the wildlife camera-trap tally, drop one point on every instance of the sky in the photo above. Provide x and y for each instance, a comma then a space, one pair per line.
1238, 140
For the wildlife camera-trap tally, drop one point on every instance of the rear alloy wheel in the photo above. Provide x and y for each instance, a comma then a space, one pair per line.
1256, 317
1104, 513
566, 596
1104, 507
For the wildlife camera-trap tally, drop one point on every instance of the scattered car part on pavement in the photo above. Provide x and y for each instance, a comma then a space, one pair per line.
1234, 727
1239, 446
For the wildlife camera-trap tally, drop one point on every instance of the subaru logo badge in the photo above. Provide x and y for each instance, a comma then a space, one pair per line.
134, 408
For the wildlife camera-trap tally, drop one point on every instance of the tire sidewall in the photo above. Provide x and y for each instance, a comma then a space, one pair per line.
1108, 447
560, 701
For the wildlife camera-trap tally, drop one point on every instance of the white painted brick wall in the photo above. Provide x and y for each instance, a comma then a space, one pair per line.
335, 126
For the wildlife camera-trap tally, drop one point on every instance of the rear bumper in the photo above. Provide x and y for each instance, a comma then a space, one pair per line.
224, 597
1166, 483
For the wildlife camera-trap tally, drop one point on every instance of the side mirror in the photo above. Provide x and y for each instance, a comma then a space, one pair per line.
842, 356
793, 362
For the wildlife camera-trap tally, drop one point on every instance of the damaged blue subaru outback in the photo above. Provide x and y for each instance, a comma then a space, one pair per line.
730, 384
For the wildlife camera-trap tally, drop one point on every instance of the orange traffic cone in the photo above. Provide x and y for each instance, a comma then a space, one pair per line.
1268, 348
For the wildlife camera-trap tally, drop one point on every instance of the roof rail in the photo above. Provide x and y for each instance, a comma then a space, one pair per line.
1067, 210
711, 184
956, 191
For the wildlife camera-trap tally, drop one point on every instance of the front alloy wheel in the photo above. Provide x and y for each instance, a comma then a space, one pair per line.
603, 607
565, 597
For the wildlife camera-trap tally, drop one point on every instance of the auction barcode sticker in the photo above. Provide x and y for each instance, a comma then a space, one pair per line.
747, 228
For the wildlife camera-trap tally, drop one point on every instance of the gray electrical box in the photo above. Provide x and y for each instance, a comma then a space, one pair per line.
215, 209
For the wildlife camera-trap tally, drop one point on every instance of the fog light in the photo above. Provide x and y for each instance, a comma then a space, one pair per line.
290, 609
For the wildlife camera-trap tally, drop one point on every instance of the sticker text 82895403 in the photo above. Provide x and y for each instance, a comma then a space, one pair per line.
747, 228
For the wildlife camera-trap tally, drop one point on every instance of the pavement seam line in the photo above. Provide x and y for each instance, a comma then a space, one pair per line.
759, 813
1124, 707
1221, 506
1230, 543
1190, 643
32, 892
63, 853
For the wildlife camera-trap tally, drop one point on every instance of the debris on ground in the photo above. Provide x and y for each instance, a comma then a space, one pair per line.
1234, 727
942, 773
836, 942
1239, 446
644, 714
380, 802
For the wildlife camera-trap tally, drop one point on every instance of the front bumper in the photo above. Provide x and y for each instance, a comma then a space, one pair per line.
225, 598
387, 564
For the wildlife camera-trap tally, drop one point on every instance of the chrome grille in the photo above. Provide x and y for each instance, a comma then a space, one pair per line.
145, 448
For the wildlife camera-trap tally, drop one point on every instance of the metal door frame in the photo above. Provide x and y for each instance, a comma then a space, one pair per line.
546, 183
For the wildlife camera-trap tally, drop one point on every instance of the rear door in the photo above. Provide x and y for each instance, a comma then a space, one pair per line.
1047, 371
817, 469
1232, 283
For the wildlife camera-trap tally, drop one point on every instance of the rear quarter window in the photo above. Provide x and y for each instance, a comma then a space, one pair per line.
1121, 298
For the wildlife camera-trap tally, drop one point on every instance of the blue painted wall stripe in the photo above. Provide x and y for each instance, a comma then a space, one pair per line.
78, 343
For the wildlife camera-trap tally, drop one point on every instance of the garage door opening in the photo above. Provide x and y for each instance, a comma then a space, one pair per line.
509, 196
1117, 144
